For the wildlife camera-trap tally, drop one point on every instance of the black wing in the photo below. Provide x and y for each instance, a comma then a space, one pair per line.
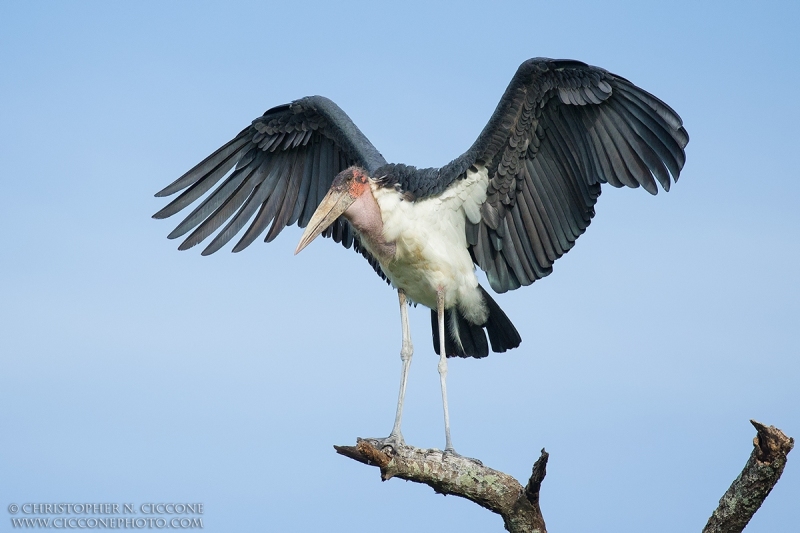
561, 129
283, 164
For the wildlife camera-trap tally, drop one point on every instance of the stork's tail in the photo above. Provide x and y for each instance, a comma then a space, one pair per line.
502, 333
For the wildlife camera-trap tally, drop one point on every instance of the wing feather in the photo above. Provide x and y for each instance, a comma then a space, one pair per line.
263, 218
534, 201
303, 189
254, 201
232, 201
201, 186
540, 243
561, 129
228, 152
517, 262
209, 207
279, 168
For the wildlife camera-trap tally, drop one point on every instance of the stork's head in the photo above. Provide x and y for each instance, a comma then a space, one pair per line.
346, 188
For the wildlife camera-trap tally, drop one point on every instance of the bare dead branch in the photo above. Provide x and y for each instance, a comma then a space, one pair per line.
537, 476
464, 477
750, 489
519, 507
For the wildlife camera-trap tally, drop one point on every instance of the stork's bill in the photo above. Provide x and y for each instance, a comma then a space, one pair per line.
333, 205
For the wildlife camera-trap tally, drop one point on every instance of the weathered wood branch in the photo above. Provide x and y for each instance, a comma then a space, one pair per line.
519, 507
464, 477
751, 488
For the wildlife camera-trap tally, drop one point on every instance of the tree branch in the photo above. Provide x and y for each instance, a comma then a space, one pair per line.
519, 507
750, 489
464, 477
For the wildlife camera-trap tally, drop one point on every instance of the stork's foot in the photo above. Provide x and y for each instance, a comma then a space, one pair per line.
450, 452
394, 441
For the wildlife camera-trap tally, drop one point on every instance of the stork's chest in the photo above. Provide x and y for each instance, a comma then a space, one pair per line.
430, 247
431, 229
425, 233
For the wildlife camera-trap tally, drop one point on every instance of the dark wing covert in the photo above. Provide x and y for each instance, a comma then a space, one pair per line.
283, 165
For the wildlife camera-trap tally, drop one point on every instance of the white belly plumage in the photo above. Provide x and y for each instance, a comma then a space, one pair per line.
431, 245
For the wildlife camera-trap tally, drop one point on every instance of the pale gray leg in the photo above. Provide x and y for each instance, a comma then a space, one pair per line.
406, 351
395, 438
443, 370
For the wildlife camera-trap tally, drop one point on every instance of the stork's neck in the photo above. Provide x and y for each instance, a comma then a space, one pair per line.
365, 216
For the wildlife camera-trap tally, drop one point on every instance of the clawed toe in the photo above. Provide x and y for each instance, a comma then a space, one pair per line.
395, 442
450, 452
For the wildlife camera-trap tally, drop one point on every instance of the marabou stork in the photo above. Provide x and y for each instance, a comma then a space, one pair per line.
512, 204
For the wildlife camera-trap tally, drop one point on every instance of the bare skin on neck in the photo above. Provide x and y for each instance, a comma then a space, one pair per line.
365, 216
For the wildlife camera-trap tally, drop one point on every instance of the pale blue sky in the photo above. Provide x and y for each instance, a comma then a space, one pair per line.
132, 372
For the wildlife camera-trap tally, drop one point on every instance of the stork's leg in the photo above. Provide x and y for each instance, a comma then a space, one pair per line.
395, 438
448, 447
406, 351
443, 370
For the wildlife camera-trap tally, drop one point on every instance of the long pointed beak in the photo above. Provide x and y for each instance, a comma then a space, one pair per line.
332, 206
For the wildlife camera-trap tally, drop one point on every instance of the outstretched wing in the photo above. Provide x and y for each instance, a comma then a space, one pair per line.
561, 129
283, 165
